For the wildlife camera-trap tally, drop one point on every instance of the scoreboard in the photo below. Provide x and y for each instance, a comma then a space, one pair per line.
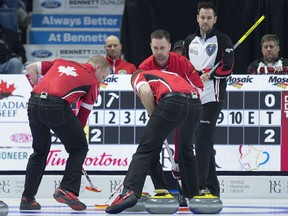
251, 132
250, 117
253, 119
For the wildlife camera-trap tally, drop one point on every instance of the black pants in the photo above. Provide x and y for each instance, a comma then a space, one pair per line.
57, 115
204, 147
157, 173
170, 113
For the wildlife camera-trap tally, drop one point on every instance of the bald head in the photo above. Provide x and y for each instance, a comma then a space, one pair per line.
100, 65
98, 59
113, 47
112, 38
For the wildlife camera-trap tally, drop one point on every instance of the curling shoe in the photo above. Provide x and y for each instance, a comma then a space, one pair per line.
29, 204
122, 202
68, 198
140, 206
183, 201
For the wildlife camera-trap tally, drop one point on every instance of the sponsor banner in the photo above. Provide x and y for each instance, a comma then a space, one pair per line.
15, 137
79, 53
248, 157
108, 157
99, 157
76, 21
259, 83
116, 82
86, 6
235, 83
68, 37
14, 95
258, 187
12, 186
231, 187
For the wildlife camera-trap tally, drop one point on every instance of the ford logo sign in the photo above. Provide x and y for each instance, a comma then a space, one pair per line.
41, 53
51, 4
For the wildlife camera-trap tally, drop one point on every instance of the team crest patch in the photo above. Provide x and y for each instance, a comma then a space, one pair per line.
210, 49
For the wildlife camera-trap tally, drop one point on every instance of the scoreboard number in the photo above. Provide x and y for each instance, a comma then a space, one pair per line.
269, 100
270, 136
95, 135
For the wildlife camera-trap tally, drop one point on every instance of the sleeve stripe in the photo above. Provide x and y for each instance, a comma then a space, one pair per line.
87, 106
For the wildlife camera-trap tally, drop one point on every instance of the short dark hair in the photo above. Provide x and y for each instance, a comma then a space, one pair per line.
160, 34
206, 5
270, 37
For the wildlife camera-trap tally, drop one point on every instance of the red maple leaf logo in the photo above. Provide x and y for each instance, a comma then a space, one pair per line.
5, 90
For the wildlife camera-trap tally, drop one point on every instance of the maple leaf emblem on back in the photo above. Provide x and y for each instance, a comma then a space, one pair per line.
67, 70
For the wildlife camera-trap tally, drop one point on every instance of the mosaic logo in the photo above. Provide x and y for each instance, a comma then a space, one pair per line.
103, 85
109, 79
280, 82
238, 82
237, 85
282, 85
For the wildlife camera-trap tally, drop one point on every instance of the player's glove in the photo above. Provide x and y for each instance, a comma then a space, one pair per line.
176, 172
203, 71
206, 70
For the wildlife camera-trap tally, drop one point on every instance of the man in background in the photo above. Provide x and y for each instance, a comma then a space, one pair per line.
178, 47
113, 49
270, 63
12, 52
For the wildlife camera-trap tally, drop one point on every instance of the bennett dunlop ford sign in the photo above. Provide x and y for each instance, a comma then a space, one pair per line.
69, 37
76, 21
39, 52
89, 6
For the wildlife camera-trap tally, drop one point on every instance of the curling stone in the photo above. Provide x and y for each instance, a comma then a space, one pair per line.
205, 204
140, 206
3, 209
162, 203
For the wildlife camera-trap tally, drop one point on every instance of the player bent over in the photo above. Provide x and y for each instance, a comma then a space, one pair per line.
177, 106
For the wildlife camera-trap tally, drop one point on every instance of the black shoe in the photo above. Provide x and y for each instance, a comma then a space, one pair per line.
63, 196
29, 204
122, 202
183, 201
